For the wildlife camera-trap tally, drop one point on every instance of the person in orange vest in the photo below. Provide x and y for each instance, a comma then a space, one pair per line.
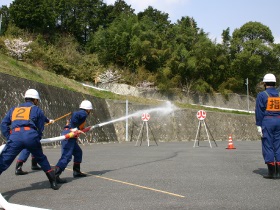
70, 147
23, 127
267, 113
23, 156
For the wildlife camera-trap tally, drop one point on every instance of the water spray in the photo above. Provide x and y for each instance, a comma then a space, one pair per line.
164, 110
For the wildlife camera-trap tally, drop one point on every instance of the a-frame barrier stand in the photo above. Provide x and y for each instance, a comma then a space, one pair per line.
207, 132
146, 126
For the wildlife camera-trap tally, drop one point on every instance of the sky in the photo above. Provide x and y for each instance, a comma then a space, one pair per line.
213, 16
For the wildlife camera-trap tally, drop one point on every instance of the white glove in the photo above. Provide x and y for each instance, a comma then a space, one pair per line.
260, 130
51, 121
73, 129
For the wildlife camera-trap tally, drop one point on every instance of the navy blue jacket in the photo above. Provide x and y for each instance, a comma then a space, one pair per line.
78, 119
36, 120
261, 103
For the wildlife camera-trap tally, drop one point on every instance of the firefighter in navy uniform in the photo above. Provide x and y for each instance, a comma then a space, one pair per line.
23, 156
267, 115
23, 128
70, 146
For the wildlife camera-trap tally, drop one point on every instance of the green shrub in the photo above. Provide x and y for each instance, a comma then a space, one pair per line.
230, 86
200, 86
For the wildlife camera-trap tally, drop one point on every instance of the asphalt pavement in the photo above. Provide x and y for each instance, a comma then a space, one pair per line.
172, 175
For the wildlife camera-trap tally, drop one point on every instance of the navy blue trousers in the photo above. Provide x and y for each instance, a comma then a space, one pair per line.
271, 139
68, 148
20, 140
23, 156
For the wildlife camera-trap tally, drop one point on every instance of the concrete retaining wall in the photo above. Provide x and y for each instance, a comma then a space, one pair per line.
180, 125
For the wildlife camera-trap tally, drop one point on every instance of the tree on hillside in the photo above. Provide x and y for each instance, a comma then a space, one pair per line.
179, 66
254, 31
80, 17
34, 16
121, 7
158, 19
186, 31
18, 48
4, 11
148, 45
226, 38
226, 83
251, 51
112, 44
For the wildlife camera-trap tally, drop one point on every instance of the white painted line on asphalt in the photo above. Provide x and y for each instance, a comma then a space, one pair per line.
135, 185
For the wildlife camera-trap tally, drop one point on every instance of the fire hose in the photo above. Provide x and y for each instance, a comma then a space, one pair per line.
72, 134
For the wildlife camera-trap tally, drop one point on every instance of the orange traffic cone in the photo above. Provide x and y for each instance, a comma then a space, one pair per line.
230, 143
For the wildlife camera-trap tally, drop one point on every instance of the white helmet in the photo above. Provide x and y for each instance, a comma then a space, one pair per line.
86, 105
32, 93
269, 78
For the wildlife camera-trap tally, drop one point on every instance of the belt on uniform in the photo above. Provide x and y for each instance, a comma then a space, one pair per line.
25, 128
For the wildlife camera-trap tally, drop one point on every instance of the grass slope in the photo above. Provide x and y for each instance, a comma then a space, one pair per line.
21, 69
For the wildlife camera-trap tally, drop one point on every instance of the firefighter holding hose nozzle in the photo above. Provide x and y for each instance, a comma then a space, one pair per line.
70, 146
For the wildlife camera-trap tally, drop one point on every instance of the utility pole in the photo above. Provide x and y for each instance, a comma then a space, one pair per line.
0, 23
126, 120
247, 84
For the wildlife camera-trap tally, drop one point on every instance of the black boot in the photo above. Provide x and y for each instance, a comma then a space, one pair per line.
19, 170
51, 176
277, 167
77, 172
58, 171
34, 165
271, 171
